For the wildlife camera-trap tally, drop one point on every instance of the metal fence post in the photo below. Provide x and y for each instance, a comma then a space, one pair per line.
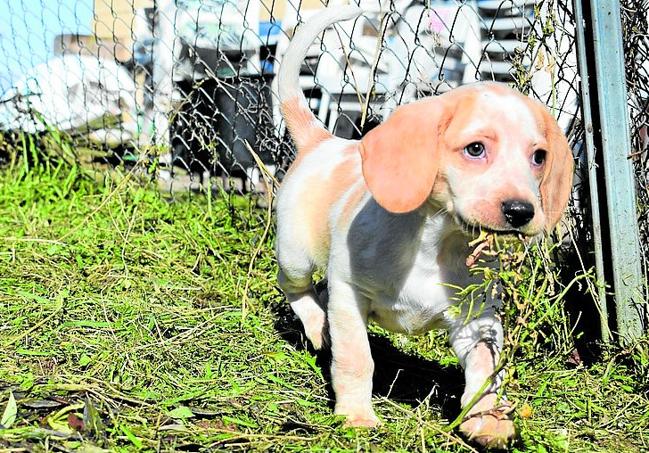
589, 146
618, 171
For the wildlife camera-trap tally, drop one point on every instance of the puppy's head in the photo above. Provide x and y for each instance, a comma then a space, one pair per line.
492, 157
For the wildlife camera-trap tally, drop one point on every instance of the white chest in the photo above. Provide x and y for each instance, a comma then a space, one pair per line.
420, 303
408, 267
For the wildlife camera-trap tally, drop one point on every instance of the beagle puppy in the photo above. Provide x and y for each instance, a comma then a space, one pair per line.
390, 216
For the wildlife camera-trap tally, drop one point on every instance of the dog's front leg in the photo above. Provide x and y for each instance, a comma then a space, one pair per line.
352, 366
478, 343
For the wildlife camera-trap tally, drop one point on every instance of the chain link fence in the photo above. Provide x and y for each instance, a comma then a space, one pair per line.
183, 91
187, 84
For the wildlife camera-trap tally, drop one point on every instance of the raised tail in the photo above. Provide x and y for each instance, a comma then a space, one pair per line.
301, 122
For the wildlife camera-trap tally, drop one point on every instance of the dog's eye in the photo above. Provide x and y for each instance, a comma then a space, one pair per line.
475, 150
538, 158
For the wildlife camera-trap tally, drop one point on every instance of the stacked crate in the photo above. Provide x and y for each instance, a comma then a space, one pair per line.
505, 26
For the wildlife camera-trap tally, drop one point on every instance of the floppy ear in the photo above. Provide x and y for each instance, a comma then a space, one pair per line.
557, 181
401, 156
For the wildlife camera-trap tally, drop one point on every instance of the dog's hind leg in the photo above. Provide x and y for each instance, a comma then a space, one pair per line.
295, 279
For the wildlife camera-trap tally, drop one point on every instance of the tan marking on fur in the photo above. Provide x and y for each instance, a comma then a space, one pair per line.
354, 363
300, 121
556, 185
463, 111
441, 192
483, 359
317, 199
351, 204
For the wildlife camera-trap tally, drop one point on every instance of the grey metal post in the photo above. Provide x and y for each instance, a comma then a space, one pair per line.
618, 170
592, 170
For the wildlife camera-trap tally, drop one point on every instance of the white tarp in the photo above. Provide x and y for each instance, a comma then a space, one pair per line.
73, 93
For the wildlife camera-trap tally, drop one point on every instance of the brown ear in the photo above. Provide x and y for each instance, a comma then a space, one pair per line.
556, 186
401, 156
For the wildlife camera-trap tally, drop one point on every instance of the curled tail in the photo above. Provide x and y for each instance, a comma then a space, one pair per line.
301, 122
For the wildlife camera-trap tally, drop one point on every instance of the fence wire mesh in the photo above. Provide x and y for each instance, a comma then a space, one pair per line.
183, 91
187, 84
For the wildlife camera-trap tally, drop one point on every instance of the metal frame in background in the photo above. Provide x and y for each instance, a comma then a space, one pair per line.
605, 66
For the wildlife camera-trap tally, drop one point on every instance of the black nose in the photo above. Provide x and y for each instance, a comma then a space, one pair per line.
517, 213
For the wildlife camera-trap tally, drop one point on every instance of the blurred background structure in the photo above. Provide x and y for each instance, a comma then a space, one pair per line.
193, 78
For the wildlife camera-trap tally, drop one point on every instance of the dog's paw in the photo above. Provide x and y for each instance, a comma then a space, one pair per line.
362, 421
490, 429
359, 419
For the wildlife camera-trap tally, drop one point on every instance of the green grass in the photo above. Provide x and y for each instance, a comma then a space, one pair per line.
132, 321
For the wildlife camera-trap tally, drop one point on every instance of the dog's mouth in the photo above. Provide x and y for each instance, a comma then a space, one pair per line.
475, 229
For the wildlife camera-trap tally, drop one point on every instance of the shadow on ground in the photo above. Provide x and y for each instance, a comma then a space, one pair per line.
401, 377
